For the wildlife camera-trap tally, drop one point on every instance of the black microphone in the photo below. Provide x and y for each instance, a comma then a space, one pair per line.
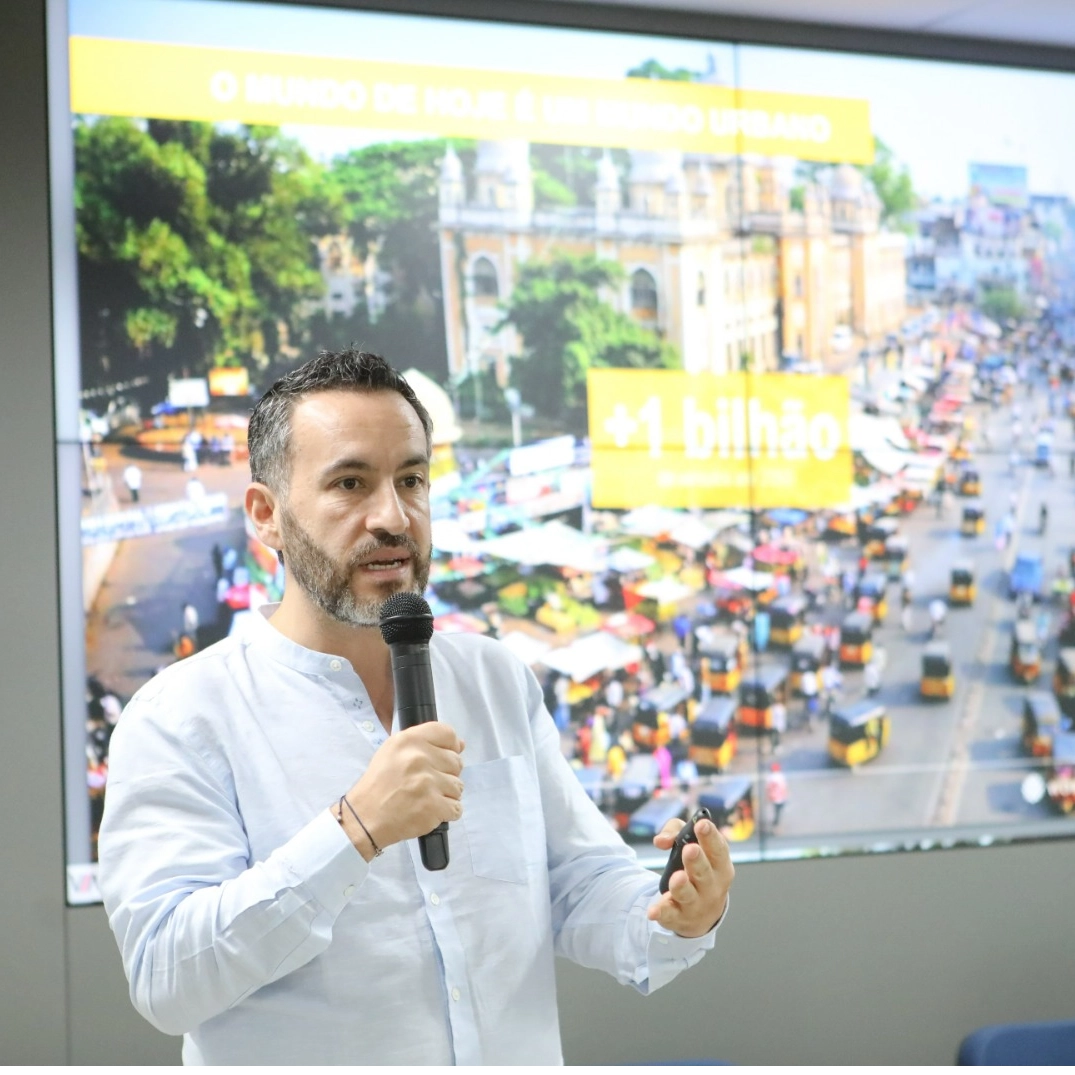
407, 627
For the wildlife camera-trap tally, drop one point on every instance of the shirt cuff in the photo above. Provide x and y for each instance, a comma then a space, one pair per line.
668, 953
324, 861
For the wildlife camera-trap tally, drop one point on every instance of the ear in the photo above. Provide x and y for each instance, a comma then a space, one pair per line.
261, 504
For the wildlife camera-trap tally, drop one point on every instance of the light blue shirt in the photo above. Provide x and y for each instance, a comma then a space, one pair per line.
249, 923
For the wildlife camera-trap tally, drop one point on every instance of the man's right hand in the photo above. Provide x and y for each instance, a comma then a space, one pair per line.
412, 784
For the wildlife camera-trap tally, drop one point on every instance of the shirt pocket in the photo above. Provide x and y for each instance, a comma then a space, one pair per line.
502, 819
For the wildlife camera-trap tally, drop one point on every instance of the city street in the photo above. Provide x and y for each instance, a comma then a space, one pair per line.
948, 763
137, 616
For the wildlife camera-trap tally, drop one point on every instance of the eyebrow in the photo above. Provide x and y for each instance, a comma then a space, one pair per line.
354, 463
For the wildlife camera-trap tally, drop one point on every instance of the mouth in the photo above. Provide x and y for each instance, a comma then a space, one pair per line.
385, 565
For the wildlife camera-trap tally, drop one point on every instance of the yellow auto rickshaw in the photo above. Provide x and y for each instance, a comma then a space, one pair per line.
787, 616
895, 557
856, 639
758, 692
969, 483
713, 736
840, 525
961, 453
973, 522
1042, 722
876, 535
722, 654
809, 654
1064, 681
651, 727
962, 588
938, 680
858, 732
1024, 659
730, 801
871, 597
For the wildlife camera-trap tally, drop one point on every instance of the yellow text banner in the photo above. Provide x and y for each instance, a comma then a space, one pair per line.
134, 78
685, 440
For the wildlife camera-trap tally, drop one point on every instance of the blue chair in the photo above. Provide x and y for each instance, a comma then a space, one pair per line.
1020, 1044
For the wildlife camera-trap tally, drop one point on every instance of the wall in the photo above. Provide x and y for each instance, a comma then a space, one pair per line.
859, 960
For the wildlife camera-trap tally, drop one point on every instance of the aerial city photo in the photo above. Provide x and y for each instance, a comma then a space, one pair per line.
752, 374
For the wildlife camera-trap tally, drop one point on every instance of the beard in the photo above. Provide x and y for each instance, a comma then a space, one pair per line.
328, 582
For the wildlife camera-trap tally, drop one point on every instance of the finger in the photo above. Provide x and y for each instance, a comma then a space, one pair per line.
667, 836
711, 840
667, 913
438, 735
447, 761
697, 865
682, 889
451, 787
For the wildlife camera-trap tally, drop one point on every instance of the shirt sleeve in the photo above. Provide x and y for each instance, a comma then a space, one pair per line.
199, 925
599, 892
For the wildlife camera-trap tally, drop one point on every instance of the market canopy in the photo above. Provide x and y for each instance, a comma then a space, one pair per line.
627, 625
775, 554
449, 536
652, 521
787, 516
528, 649
869, 431
589, 656
743, 578
552, 543
664, 591
692, 532
726, 519
885, 459
625, 560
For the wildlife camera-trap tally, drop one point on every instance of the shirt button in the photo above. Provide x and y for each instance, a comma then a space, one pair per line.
367, 725
434, 899
455, 994
335, 665
349, 890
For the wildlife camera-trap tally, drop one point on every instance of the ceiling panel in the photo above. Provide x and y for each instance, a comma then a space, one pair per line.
1048, 22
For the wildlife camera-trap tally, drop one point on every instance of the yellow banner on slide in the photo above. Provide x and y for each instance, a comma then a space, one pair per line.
683, 440
145, 79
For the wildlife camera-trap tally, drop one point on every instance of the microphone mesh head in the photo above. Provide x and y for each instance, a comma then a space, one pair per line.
406, 617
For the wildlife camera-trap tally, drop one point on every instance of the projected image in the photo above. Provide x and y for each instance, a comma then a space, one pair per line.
752, 402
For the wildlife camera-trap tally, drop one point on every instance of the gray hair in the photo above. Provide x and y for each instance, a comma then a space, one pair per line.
269, 433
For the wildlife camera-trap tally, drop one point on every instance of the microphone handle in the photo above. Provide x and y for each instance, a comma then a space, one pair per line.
412, 677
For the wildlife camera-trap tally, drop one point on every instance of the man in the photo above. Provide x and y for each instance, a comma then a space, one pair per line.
258, 859
778, 717
776, 791
132, 478
808, 687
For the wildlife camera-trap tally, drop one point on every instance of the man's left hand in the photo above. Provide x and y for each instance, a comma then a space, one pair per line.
697, 894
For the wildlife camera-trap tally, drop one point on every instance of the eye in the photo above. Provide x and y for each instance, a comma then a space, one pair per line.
414, 481
348, 483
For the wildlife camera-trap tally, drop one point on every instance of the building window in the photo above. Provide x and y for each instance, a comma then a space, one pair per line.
485, 281
700, 294
643, 295
798, 285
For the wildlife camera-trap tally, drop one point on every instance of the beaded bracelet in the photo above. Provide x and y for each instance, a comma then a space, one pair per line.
373, 843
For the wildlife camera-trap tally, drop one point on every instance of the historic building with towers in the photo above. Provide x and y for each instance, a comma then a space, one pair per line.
716, 259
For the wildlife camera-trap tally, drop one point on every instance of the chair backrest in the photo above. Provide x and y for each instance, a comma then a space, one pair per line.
1020, 1043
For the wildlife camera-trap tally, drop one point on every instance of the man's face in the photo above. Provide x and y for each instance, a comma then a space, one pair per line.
355, 519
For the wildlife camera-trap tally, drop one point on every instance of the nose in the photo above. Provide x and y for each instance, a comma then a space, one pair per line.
385, 510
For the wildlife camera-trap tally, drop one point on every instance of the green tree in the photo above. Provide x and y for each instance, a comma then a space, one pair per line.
567, 329
893, 184
1001, 304
655, 69
389, 194
193, 244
